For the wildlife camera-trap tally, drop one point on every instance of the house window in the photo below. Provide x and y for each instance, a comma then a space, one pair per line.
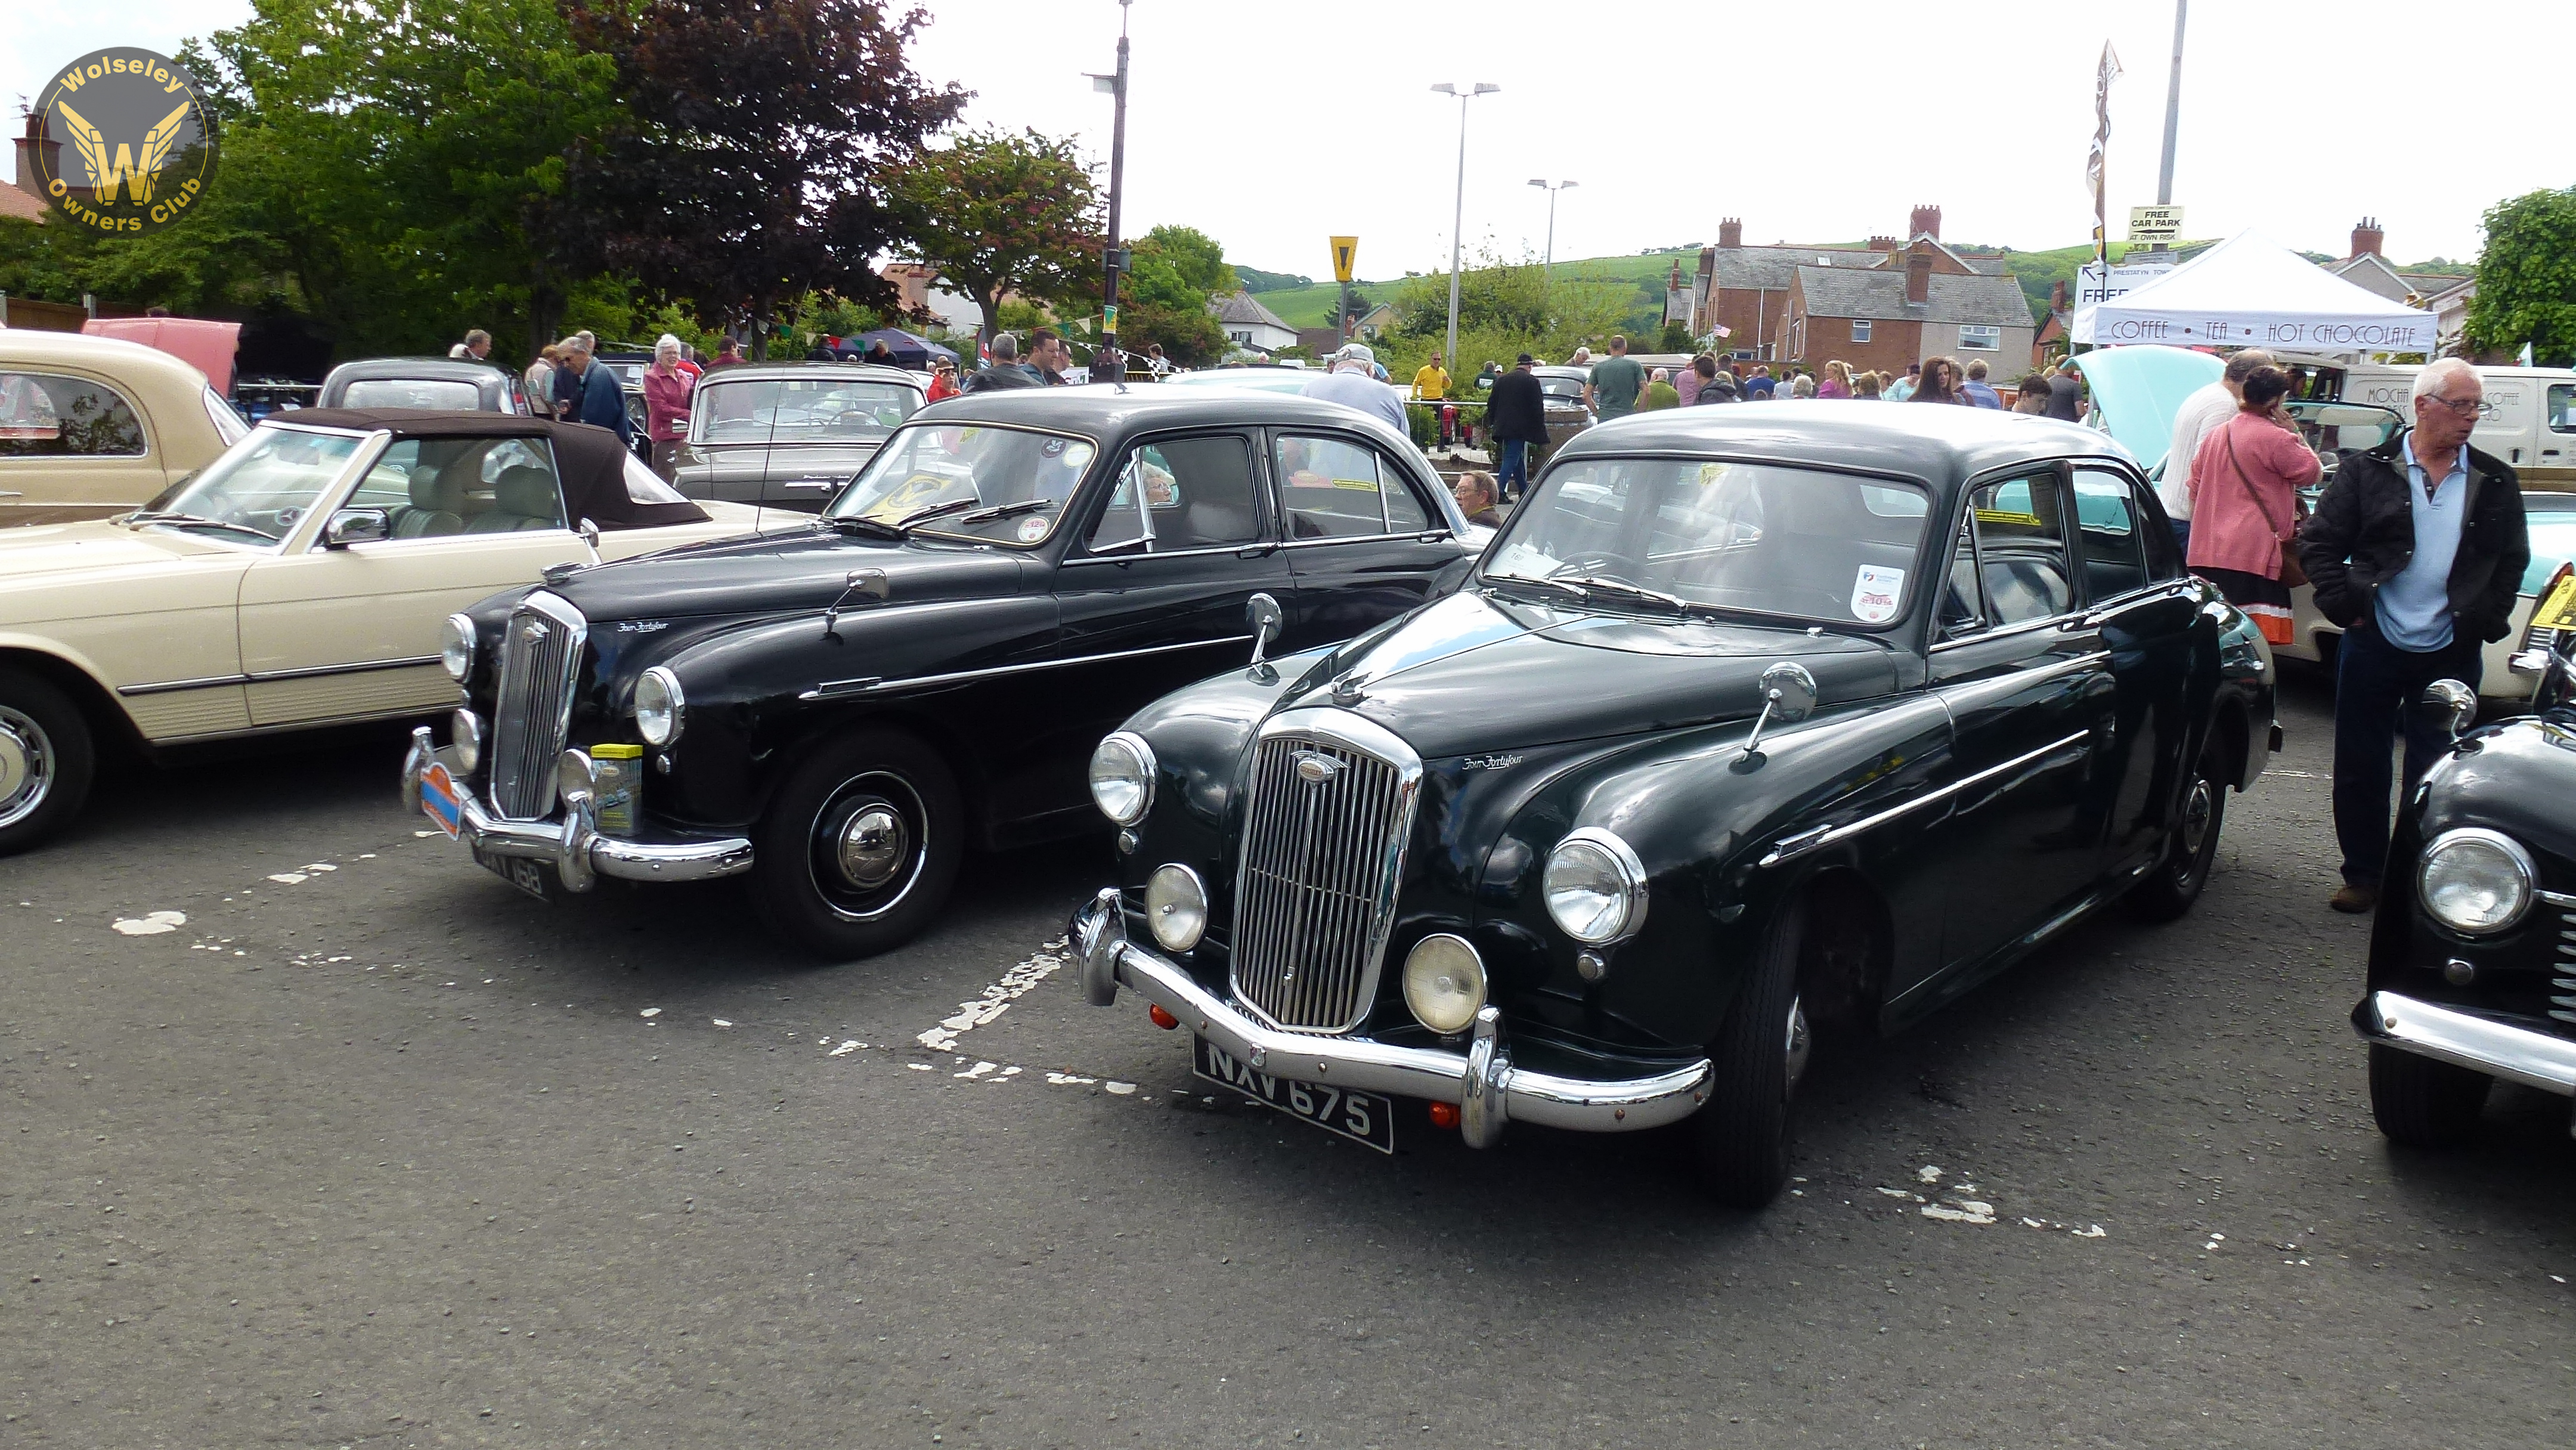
1860, 330
1980, 339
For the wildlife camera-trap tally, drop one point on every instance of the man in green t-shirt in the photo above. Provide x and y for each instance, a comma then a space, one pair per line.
1616, 381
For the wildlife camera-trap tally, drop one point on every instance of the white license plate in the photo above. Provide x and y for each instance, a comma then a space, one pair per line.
1358, 1116
519, 871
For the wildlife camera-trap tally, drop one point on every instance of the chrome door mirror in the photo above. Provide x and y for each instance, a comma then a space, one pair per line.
2457, 702
1788, 696
355, 526
1262, 613
589, 533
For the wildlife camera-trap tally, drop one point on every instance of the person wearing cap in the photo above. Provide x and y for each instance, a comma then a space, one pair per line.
1353, 384
1516, 415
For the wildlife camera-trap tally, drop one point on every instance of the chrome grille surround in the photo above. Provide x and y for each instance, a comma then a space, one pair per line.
1327, 815
2562, 960
540, 672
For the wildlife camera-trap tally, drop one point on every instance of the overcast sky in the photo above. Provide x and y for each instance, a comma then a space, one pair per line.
1274, 126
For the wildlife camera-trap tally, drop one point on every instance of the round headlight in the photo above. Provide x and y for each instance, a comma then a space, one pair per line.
1176, 907
1595, 887
658, 706
1444, 982
1122, 778
573, 776
465, 739
456, 647
2474, 880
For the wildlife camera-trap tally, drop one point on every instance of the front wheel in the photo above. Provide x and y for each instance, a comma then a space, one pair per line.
860, 846
1740, 1141
46, 760
2423, 1103
2169, 890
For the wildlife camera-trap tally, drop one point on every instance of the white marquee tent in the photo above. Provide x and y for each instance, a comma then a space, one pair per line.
2250, 291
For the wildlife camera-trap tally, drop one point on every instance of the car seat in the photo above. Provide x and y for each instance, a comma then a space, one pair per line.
437, 506
527, 499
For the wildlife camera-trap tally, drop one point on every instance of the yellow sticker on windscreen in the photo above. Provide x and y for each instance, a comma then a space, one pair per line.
2557, 608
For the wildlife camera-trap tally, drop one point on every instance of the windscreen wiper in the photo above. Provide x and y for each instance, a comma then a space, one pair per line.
1005, 510
1622, 589
1560, 585
853, 524
173, 516
902, 527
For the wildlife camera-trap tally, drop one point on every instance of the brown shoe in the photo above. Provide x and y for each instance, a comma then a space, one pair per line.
2355, 899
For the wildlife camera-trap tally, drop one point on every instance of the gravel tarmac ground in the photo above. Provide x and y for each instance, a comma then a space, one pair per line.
371, 1151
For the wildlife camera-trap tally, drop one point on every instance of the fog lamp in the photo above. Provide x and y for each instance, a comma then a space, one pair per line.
465, 740
1444, 982
572, 776
1176, 907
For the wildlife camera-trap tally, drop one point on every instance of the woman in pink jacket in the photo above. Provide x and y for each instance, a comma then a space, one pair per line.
666, 406
2245, 483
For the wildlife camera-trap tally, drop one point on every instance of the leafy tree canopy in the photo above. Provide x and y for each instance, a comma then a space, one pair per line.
1256, 280
2527, 278
999, 213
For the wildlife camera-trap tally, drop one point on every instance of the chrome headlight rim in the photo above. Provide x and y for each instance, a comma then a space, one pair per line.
1139, 757
1175, 897
661, 719
1418, 989
1625, 866
465, 739
456, 640
2524, 874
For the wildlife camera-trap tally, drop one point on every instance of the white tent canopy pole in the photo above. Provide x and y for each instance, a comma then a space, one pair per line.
2250, 291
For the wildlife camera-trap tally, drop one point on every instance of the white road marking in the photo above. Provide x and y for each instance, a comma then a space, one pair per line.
1927, 1174
1968, 1211
152, 923
996, 999
650, 1012
288, 878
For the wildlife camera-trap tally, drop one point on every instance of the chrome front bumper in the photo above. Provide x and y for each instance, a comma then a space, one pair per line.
2465, 1039
573, 844
1487, 1089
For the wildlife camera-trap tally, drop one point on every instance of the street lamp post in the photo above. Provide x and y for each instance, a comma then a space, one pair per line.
1108, 363
1458, 219
1551, 188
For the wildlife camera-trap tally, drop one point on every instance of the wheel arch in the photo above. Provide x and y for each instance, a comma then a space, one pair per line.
107, 720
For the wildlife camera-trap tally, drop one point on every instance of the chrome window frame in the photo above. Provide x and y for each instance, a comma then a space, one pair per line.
932, 529
1264, 537
142, 421
1436, 524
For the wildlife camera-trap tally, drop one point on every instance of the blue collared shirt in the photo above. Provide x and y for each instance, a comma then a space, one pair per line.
2414, 606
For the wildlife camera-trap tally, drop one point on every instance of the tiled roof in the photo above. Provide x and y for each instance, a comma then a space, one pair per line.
1844, 292
1769, 268
16, 203
1243, 309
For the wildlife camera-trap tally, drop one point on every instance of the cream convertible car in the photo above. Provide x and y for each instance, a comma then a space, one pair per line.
302, 579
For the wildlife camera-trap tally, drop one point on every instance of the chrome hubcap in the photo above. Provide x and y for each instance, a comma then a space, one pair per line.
26, 766
873, 846
2196, 812
1798, 1043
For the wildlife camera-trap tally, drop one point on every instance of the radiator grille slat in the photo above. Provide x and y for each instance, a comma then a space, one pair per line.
1317, 886
540, 672
2564, 1008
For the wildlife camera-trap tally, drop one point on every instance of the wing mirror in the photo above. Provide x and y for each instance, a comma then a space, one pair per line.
1262, 613
1788, 696
355, 526
2457, 702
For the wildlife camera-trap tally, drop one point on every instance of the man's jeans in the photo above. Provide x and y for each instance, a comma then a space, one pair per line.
1515, 467
2376, 687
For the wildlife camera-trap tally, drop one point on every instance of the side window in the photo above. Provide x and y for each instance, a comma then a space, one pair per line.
1181, 493
1404, 513
1333, 488
435, 488
2111, 533
1963, 607
2562, 407
46, 415
2021, 550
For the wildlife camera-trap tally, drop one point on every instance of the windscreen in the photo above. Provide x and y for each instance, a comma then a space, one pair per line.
1027, 476
1752, 538
443, 393
261, 487
800, 410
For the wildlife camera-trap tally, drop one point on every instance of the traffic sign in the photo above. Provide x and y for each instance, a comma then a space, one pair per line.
1345, 251
2155, 223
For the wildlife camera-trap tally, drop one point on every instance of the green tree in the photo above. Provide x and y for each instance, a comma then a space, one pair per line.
2527, 278
999, 214
1163, 298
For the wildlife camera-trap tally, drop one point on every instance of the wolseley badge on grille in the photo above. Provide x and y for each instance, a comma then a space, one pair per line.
1314, 767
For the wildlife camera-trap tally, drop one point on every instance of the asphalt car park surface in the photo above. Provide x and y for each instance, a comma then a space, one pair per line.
384, 1154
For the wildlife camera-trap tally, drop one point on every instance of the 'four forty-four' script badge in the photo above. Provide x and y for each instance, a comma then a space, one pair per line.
126, 144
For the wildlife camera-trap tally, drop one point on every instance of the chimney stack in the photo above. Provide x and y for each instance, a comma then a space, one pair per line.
1730, 233
2057, 296
33, 146
1926, 221
1882, 244
1918, 277
2366, 237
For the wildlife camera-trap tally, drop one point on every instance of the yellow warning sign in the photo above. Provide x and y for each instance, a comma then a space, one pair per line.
1345, 251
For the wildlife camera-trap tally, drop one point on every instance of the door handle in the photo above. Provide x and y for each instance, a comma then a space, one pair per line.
1257, 551
810, 487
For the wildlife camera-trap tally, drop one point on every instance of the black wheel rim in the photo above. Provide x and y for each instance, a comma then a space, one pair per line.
867, 845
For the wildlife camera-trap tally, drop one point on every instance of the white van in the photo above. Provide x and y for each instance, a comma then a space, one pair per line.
2530, 419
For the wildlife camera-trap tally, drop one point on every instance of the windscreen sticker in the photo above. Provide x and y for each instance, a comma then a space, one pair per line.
1875, 592
1032, 529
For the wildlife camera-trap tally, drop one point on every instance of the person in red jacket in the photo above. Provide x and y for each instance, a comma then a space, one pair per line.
666, 406
2245, 483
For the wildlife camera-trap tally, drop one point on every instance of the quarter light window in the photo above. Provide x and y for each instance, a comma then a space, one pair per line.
1196, 493
2021, 550
2108, 523
46, 415
1980, 339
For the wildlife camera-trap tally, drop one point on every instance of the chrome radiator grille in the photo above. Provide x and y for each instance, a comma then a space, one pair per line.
1325, 825
2562, 962
540, 671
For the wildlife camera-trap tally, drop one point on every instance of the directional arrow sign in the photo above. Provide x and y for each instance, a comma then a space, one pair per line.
1345, 251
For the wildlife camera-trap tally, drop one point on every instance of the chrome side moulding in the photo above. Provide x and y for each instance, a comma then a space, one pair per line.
573, 845
1489, 1091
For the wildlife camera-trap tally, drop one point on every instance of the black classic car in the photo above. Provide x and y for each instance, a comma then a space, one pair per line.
841, 711
1751, 720
442, 383
789, 435
2473, 971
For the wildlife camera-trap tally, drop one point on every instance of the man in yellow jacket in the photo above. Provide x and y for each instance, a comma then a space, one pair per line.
1431, 385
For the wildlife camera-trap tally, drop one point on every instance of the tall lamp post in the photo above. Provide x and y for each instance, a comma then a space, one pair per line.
1458, 219
1551, 188
1108, 363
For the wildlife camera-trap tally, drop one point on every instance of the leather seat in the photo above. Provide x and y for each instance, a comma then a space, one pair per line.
437, 507
526, 498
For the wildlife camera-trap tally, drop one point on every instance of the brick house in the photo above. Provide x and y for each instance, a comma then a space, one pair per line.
1746, 289
1916, 301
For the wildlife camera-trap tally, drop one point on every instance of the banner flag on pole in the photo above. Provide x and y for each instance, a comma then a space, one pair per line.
2109, 72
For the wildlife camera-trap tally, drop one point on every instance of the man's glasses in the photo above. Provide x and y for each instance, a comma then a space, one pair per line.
2462, 407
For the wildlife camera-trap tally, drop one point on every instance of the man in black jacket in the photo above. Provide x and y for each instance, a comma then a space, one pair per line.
1516, 416
2417, 549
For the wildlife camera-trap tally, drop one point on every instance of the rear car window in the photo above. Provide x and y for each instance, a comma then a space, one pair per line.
48, 415
446, 393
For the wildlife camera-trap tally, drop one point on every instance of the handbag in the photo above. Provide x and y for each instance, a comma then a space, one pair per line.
2291, 575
